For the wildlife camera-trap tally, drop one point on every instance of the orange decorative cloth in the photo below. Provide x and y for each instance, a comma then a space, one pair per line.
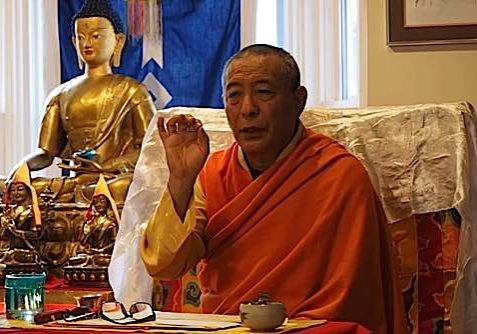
310, 231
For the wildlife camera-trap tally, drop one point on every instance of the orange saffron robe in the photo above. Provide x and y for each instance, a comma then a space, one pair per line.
310, 231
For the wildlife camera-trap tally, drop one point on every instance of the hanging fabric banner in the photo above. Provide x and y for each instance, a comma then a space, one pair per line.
176, 48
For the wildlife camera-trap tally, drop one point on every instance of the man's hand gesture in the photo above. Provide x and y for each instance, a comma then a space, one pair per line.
186, 145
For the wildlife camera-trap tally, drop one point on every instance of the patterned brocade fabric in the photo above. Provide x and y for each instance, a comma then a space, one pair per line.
426, 247
180, 295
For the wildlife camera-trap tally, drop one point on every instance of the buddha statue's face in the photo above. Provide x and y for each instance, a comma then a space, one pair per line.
95, 40
20, 193
101, 204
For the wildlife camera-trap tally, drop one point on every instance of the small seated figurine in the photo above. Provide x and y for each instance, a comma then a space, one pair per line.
20, 225
96, 120
96, 239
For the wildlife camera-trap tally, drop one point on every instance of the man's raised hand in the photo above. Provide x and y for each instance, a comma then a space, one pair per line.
186, 145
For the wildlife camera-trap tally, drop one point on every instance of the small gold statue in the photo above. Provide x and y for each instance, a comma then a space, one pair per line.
100, 231
97, 238
20, 225
96, 120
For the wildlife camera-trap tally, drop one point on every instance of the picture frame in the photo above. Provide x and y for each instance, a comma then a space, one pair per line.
431, 22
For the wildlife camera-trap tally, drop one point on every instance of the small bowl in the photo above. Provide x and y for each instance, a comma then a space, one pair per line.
93, 302
263, 317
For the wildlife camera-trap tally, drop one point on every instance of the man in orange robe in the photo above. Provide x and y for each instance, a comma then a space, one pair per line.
283, 210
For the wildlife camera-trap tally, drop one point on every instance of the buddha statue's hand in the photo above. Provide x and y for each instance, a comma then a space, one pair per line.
7, 220
88, 154
186, 145
4, 224
86, 229
82, 165
87, 165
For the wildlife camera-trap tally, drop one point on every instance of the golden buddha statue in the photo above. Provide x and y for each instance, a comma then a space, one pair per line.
96, 240
20, 225
95, 123
96, 120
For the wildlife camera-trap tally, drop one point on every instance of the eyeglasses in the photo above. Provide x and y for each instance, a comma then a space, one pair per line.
116, 313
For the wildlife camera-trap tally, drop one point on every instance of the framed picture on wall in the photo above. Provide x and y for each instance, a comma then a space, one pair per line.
414, 22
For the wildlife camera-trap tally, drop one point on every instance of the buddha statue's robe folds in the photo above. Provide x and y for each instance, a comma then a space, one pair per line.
108, 114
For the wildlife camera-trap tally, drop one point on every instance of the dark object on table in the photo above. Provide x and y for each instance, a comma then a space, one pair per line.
47, 316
